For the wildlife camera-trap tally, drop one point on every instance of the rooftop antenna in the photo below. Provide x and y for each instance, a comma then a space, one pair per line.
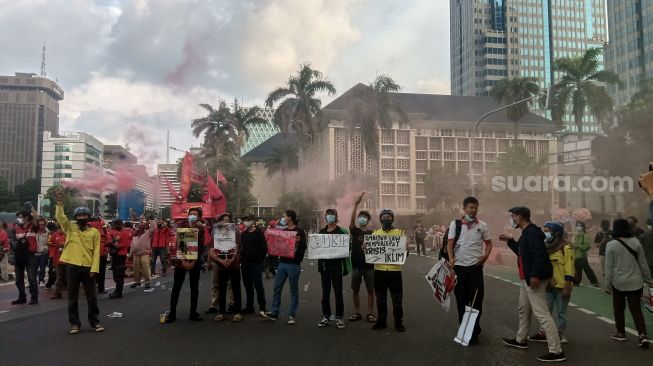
43, 73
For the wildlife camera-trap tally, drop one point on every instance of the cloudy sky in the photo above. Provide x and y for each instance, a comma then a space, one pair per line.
133, 68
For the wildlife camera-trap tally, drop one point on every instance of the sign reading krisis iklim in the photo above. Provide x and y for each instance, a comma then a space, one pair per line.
385, 249
328, 246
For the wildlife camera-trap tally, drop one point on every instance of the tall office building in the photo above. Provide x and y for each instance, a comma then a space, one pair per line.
630, 49
29, 106
169, 171
497, 39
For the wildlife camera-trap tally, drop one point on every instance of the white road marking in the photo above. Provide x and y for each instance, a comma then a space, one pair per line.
609, 321
4, 311
590, 312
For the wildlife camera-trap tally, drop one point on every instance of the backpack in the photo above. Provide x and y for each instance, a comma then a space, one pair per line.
445, 239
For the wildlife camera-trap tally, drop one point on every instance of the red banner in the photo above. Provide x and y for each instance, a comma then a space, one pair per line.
281, 243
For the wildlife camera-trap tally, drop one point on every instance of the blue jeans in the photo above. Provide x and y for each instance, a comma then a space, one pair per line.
557, 305
291, 272
41, 263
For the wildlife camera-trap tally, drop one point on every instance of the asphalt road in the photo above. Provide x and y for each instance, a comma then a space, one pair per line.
31, 335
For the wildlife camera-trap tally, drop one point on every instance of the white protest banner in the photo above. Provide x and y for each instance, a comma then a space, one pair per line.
224, 237
466, 329
385, 249
442, 280
328, 246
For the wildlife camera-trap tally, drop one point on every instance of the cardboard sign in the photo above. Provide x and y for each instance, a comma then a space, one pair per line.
385, 249
281, 243
328, 246
187, 243
442, 280
224, 237
466, 329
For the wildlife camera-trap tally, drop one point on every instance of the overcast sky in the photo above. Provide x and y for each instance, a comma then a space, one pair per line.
133, 68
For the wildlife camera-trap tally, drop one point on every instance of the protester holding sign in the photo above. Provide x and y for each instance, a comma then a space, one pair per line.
331, 273
227, 260
361, 270
253, 249
468, 259
289, 269
388, 277
192, 267
224, 237
535, 272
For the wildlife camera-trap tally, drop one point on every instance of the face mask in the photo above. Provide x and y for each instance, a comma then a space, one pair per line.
649, 227
548, 237
192, 218
330, 219
362, 221
19, 220
282, 222
512, 223
82, 222
249, 223
386, 224
469, 218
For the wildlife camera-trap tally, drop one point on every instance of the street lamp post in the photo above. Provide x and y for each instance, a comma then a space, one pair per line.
471, 147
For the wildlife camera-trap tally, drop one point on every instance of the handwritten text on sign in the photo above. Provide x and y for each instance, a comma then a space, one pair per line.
328, 246
385, 249
281, 243
224, 237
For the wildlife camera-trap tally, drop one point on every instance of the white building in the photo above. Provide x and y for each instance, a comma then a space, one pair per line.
168, 171
66, 157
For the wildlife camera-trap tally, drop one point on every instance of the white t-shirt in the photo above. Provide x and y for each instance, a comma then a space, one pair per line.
469, 248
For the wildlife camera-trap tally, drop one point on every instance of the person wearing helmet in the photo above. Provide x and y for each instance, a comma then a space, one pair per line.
387, 277
81, 254
559, 292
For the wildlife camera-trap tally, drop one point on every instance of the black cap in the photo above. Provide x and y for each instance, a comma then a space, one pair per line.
331, 211
521, 211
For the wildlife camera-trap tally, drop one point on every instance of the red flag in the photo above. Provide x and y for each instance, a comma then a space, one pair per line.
186, 173
214, 192
171, 189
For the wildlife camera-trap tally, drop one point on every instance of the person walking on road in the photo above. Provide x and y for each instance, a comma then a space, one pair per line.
626, 270
331, 273
81, 254
581, 246
121, 242
471, 251
535, 272
387, 277
558, 292
289, 269
160, 239
420, 235
140, 252
361, 271
601, 239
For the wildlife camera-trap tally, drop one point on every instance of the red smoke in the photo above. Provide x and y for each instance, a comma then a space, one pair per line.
95, 180
193, 60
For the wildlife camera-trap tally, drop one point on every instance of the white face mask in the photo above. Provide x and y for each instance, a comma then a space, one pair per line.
19, 220
512, 223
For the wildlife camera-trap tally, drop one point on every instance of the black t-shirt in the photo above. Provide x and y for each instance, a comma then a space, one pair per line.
357, 254
299, 250
253, 246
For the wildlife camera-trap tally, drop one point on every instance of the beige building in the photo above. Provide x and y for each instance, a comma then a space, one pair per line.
29, 106
168, 171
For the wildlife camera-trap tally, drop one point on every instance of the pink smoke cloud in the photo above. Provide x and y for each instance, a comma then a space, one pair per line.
95, 180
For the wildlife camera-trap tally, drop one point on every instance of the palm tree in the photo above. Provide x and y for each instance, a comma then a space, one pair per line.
579, 87
372, 109
284, 159
298, 107
508, 91
217, 129
243, 119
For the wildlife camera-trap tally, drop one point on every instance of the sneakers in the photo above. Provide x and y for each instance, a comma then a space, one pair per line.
237, 318
643, 341
291, 320
538, 337
324, 322
97, 328
512, 342
33, 301
340, 324
268, 315
618, 337
170, 318
19, 301
563, 339
552, 357
219, 318
74, 329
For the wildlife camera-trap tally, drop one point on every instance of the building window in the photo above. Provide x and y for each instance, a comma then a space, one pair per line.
462, 156
403, 202
434, 155
403, 152
421, 166
421, 143
448, 156
63, 166
388, 175
420, 155
420, 178
61, 148
387, 136
387, 164
435, 143
403, 176
403, 164
388, 201
403, 189
449, 145
61, 157
387, 188
421, 203
419, 190
478, 156
387, 151
402, 137
463, 144
446, 132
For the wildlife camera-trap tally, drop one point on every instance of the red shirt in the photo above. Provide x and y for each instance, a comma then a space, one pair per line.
160, 237
27, 232
123, 240
104, 238
4, 239
56, 241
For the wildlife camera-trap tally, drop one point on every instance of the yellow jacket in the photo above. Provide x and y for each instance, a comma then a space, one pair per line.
82, 248
388, 267
563, 266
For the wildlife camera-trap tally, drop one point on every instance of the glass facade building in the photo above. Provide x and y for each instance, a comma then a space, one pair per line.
259, 133
630, 49
497, 39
